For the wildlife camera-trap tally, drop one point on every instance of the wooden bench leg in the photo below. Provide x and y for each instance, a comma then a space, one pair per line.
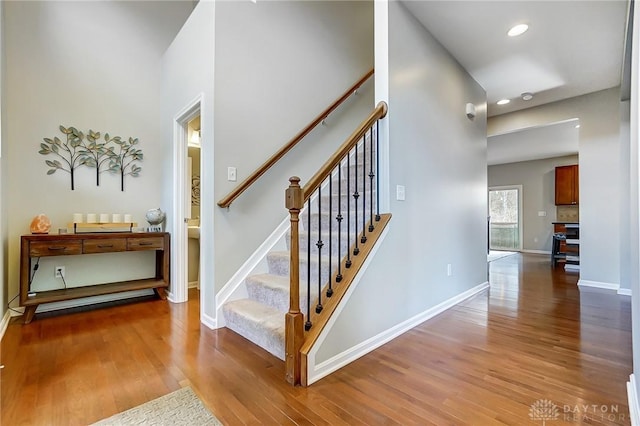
29, 312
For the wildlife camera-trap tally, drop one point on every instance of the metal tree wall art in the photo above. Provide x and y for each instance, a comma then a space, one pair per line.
80, 150
123, 162
68, 151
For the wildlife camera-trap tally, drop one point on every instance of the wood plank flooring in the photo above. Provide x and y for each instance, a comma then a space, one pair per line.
532, 336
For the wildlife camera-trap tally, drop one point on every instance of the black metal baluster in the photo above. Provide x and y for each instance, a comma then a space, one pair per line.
377, 170
348, 262
364, 189
356, 195
307, 324
330, 289
339, 220
319, 244
371, 176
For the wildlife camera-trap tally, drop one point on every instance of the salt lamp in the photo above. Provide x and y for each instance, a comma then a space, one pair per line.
40, 224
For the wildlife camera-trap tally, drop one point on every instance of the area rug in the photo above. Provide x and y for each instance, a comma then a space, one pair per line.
494, 255
182, 407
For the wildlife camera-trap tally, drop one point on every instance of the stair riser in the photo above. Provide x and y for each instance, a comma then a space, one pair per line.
258, 333
281, 267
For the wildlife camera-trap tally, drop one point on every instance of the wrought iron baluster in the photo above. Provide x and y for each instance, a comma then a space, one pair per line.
364, 189
319, 244
330, 289
339, 220
377, 170
347, 264
371, 176
356, 195
307, 324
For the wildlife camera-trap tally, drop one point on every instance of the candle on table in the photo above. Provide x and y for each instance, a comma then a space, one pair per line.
104, 217
77, 218
116, 218
91, 218
128, 218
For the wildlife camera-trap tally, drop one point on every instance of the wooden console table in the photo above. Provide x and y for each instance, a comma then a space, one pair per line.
39, 245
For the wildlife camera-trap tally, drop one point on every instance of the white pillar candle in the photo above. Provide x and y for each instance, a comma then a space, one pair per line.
91, 218
77, 218
104, 217
116, 218
128, 218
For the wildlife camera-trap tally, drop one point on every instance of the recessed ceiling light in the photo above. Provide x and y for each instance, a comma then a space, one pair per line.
527, 96
517, 30
503, 101
577, 126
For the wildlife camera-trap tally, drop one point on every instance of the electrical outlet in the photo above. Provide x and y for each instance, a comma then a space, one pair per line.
449, 270
59, 272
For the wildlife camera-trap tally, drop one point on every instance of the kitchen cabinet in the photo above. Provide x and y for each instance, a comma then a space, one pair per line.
567, 185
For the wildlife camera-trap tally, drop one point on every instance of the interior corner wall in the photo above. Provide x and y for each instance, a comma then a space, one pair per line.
537, 178
439, 155
92, 65
188, 72
625, 195
289, 62
599, 160
3, 179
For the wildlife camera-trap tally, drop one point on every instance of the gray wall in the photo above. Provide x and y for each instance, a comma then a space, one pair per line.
278, 65
181, 84
600, 173
93, 65
538, 194
440, 156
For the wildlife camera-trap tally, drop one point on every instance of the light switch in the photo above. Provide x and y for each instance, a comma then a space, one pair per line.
231, 174
400, 192
542, 213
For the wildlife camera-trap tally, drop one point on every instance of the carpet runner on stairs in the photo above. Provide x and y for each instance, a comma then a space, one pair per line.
260, 317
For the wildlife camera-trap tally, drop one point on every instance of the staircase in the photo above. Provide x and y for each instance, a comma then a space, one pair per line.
260, 317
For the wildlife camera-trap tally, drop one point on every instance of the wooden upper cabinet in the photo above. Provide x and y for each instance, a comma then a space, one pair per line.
567, 186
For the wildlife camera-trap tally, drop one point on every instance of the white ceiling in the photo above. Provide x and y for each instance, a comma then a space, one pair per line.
572, 47
534, 143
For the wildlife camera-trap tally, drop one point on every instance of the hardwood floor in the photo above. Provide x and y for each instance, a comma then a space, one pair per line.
533, 336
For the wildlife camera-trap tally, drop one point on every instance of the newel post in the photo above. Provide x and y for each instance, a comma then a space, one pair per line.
294, 331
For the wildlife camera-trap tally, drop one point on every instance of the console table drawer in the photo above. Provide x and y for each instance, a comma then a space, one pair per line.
104, 246
55, 248
155, 243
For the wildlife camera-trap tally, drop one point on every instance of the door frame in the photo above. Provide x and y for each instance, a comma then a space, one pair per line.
520, 224
182, 201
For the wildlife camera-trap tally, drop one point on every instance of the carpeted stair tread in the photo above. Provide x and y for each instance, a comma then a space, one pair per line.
259, 323
272, 290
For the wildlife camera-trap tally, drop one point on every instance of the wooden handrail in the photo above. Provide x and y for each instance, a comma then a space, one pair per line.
230, 197
379, 112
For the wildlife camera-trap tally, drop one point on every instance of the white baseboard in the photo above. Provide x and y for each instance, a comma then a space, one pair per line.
316, 372
4, 323
194, 284
547, 252
586, 284
634, 405
624, 292
208, 321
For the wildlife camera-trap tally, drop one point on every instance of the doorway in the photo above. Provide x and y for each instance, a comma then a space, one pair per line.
193, 187
505, 218
184, 223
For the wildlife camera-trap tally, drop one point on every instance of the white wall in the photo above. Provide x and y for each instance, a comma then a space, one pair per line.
600, 193
188, 72
537, 178
440, 156
3, 178
289, 61
92, 65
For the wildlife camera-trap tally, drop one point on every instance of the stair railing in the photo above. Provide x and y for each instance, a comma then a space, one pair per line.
246, 183
339, 229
